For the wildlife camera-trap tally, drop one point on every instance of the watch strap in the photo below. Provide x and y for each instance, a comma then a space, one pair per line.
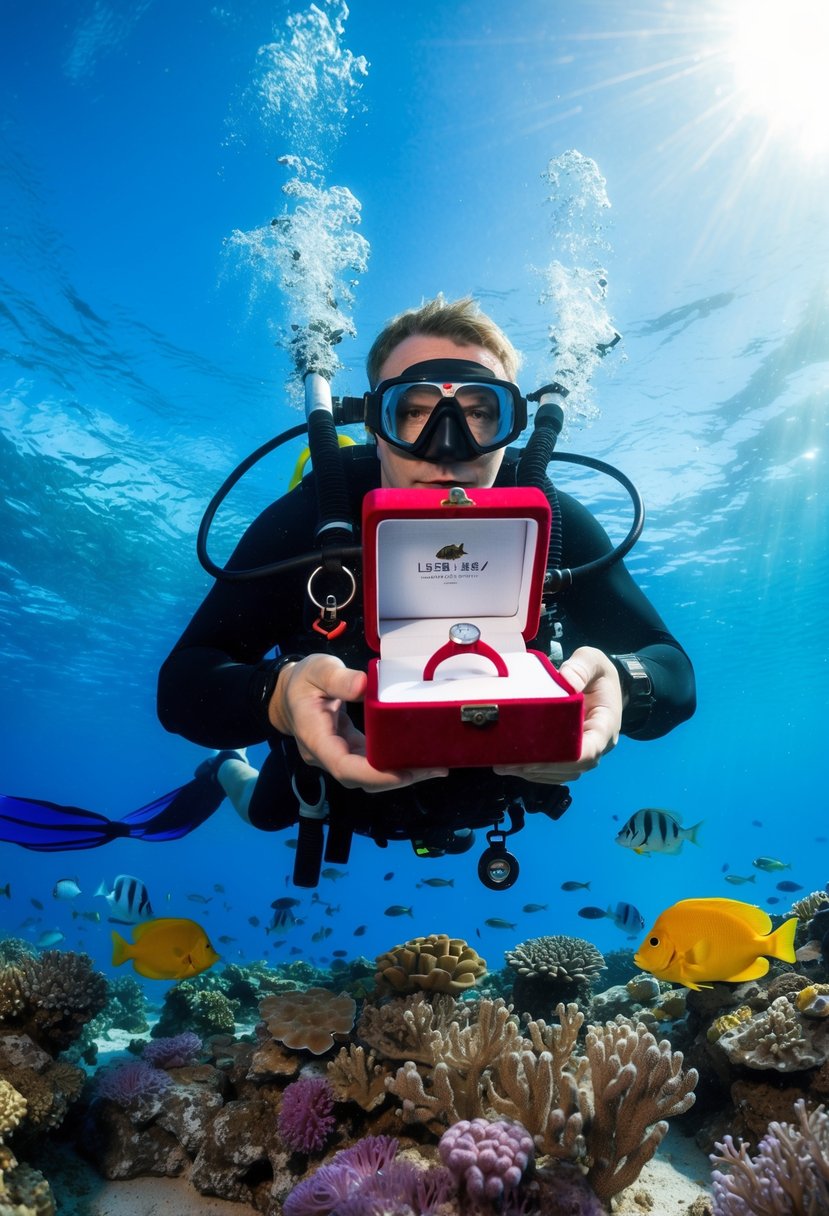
265, 685
637, 686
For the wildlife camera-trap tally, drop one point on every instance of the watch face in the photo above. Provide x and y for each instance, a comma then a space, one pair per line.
464, 633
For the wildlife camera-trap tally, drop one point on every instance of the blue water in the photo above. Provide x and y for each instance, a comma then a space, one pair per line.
139, 364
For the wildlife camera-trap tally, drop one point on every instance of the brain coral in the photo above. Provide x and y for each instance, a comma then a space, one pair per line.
308, 1019
436, 964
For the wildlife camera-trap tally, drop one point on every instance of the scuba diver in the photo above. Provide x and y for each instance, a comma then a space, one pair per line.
275, 655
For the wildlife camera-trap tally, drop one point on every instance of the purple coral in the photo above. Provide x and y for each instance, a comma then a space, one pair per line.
131, 1082
789, 1174
173, 1052
365, 1180
305, 1120
490, 1157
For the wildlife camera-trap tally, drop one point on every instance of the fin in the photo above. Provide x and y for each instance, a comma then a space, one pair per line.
691, 833
780, 944
696, 955
48, 827
120, 949
753, 972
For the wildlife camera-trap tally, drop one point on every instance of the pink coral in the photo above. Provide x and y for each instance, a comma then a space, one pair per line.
305, 1120
490, 1157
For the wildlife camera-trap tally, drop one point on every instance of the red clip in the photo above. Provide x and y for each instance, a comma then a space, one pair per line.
329, 633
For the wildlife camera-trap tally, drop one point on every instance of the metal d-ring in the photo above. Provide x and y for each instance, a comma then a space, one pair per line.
337, 607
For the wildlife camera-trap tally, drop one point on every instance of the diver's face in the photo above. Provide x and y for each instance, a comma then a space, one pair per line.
400, 471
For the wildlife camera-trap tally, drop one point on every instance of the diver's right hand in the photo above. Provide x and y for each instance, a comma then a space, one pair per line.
309, 704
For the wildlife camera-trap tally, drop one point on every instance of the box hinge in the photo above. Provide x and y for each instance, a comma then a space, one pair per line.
479, 715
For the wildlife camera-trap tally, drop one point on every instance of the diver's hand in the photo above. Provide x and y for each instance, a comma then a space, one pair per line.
309, 703
590, 672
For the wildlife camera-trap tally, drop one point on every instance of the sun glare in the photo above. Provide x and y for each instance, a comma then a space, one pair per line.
780, 53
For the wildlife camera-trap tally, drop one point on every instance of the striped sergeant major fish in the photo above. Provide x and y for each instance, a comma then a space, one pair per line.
129, 900
655, 831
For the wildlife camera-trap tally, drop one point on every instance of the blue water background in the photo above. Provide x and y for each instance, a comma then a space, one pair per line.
137, 368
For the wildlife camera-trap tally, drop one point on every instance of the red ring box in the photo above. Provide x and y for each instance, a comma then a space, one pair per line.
427, 564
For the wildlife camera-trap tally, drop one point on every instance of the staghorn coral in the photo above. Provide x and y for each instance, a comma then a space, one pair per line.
779, 1038
637, 1085
606, 1108
54, 995
305, 1120
788, 1177
490, 1157
308, 1020
357, 1077
552, 970
412, 1027
804, 909
436, 963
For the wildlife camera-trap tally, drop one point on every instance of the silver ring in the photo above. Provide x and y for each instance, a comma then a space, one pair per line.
338, 607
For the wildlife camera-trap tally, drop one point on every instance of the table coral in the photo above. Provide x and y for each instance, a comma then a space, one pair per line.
436, 963
308, 1020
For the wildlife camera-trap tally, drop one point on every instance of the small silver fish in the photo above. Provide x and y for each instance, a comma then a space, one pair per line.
737, 880
49, 938
66, 888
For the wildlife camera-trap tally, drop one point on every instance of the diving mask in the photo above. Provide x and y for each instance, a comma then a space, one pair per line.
446, 411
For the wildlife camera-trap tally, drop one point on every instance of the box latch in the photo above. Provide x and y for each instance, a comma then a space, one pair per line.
479, 715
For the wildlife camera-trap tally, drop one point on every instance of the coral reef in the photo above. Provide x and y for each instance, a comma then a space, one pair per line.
51, 997
788, 1177
490, 1157
308, 1020
196, 1006
552, 970
131, 1083
434, 964
305, 1120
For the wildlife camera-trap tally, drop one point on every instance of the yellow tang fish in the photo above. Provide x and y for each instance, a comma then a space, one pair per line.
698, 941
169, 948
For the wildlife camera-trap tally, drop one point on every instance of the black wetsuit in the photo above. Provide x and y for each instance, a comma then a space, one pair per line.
211, 686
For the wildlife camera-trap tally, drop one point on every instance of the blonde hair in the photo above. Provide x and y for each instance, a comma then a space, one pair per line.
460, 320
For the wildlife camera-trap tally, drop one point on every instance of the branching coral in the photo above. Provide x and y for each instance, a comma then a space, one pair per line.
637, 1085
357, 1077
606, 1108
12, 1108
309, 1019
788, 1177
412, 1028
435, 964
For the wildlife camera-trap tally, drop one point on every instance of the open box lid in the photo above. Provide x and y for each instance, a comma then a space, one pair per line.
428, 563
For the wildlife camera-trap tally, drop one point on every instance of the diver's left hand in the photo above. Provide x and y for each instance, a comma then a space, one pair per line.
590, 672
